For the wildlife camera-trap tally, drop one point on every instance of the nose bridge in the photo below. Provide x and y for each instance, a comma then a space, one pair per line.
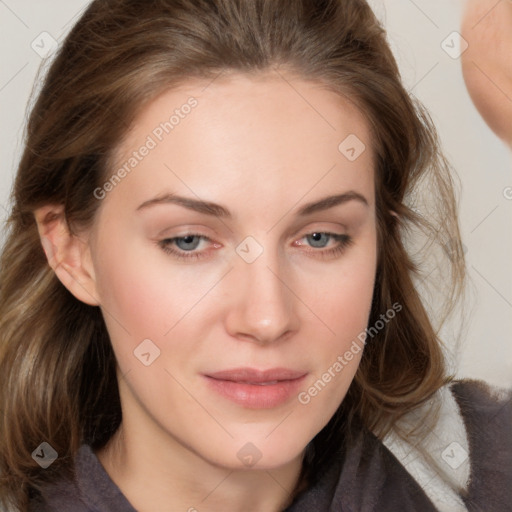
264, 306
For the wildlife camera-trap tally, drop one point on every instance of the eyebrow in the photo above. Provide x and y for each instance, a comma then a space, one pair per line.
209, 208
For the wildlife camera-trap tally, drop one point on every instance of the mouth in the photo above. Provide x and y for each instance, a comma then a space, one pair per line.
256, 389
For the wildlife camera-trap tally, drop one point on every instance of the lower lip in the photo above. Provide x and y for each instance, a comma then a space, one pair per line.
257, 396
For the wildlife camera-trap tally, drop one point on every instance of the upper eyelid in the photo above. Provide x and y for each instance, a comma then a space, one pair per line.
346, 224
342, 241
209, 239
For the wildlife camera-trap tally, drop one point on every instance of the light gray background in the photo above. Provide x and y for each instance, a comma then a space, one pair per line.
416, 29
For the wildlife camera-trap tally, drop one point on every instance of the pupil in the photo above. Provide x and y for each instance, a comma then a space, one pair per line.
316, 238
188, 242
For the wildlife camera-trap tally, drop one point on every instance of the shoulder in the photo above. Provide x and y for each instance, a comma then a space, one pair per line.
487, 414
91, 489
62, 493
481, 401
462, 456
366, 476
451, 454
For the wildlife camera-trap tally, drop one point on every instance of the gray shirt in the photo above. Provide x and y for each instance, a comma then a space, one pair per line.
368, 478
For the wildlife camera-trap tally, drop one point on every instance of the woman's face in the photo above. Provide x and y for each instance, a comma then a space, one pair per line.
240, 236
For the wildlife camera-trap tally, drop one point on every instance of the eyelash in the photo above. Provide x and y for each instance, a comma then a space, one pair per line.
344, 241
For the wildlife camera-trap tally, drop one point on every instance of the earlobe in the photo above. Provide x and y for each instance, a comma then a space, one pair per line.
67, 253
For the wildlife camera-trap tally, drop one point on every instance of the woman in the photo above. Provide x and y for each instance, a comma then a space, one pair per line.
208, 301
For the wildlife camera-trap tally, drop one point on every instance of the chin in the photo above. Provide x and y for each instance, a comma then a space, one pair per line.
254, 453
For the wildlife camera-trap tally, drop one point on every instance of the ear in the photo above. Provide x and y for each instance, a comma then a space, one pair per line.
68, 254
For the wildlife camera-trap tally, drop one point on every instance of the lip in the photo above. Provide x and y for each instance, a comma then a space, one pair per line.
256, 389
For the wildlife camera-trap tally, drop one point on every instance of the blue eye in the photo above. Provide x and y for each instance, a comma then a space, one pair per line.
185, 244
320, 239
190, 242
317, 238
184, 247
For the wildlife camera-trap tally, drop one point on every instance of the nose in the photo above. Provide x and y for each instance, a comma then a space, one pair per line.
262, 306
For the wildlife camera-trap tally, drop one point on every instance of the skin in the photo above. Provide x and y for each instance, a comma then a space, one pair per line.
487, 63
254, 145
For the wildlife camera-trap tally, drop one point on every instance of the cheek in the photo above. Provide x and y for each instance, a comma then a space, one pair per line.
141, 285
346, 303
144, 294
130, 292
144, 297
344, 306
347, 295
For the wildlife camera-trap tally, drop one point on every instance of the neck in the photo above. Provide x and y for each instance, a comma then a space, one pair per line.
175, 478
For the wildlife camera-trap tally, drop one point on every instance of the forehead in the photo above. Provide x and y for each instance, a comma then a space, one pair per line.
242, 136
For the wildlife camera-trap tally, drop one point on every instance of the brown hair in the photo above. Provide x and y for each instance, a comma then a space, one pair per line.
57, 368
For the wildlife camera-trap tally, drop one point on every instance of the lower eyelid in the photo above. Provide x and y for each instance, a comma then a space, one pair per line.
341, 241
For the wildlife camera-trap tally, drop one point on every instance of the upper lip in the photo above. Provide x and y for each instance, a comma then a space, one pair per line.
254, 375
